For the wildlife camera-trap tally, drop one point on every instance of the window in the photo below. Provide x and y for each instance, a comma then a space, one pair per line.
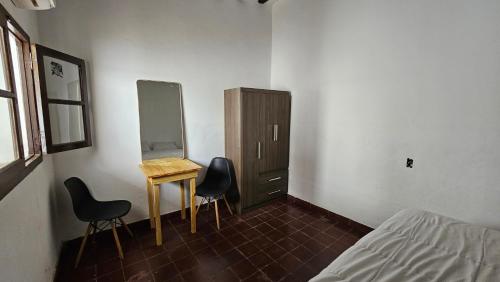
61, 80
65, 106
20, 150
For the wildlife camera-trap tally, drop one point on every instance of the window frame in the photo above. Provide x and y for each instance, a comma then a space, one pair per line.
14, 172
41, 51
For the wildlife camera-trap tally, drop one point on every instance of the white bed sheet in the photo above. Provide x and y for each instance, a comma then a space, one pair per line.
416, 245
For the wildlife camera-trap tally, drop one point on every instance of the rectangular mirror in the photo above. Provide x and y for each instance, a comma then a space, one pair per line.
161, 121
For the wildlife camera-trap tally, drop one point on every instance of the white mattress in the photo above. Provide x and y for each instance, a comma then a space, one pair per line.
415, 245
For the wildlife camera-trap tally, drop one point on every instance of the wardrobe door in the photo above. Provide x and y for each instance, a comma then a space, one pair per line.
277, 128
282, 131
253, 133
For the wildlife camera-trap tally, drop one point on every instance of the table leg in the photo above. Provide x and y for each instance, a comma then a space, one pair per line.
183, 199
150, 204
192, 190
156, 189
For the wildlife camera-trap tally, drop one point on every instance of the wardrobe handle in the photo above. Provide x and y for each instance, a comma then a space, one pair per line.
274, 192
275, 132
274, 179
258, 150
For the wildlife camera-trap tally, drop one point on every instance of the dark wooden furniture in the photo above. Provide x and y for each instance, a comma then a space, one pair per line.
257, 133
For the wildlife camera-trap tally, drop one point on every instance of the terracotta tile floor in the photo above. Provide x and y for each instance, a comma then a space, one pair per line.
278, 242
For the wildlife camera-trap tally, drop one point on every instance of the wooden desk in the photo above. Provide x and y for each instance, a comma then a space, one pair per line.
165, 170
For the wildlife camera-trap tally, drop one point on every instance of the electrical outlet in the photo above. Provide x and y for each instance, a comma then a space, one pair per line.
409, 163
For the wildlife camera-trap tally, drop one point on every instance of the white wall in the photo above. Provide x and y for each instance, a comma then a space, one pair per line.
374, 82
206, 45
29, 245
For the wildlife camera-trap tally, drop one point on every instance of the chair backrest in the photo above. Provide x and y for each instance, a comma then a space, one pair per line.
219, 171
233, 194
80, 194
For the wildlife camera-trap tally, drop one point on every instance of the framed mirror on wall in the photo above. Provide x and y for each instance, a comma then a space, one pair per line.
64, 97
161, 119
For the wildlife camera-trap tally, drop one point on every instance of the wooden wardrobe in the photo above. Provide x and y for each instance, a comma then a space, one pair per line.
257, 138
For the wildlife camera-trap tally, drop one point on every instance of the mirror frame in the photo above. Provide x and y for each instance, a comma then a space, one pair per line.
184, 152
39, 52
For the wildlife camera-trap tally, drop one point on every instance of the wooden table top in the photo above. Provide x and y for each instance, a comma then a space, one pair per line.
167, 166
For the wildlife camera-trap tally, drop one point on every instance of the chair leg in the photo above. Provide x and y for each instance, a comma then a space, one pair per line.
208, 204
117, 240
227, 205
217, 214
126, 227
94, 230
199, 206
82, 246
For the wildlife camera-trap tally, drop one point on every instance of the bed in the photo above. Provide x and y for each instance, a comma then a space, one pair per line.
416, 245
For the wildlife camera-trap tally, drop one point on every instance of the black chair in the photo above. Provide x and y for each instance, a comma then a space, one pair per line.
218, 180
90, 210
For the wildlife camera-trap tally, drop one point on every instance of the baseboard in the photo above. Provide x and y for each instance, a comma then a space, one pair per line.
342, 220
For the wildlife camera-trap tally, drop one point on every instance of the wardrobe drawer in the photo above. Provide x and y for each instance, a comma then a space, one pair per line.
268, 192
277, 177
